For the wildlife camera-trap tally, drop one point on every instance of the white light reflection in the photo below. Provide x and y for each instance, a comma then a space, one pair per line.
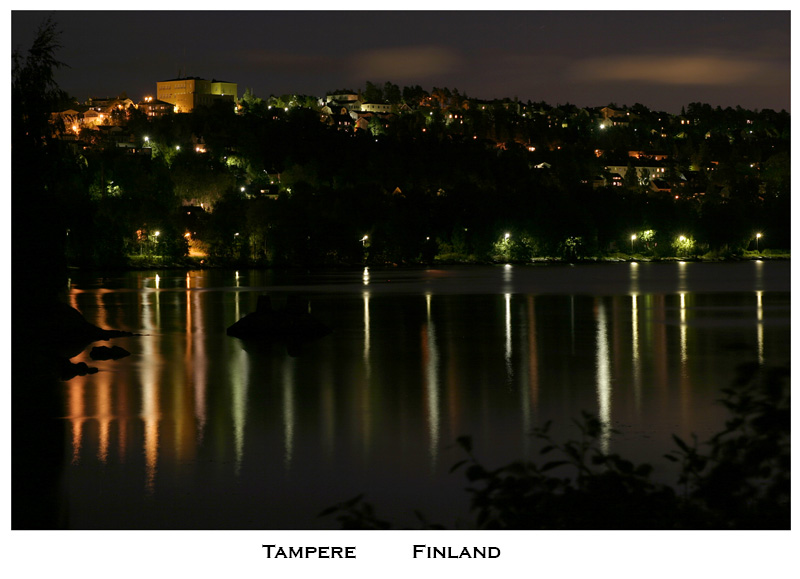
603, 376
240, 381
637, 364
759, 273
365, 276
682, 268
509, 369
683, 332
431, 359
760, 326
508, 275
237, 298
634, 277
288, 412
366, 332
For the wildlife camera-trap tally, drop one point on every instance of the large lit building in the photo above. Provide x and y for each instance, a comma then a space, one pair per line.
191, 92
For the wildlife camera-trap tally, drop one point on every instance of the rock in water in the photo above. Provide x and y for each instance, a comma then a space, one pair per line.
291, 324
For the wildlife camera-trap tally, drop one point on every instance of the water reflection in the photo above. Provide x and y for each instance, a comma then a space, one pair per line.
240, 381
77, 416
289, 419
196, 359
634, 274
366, 331
529, 396
682, 276
386, 395
149, 379
637, 365
430, 359
760, 326
104, 415
509, 368
603, 365
683, 331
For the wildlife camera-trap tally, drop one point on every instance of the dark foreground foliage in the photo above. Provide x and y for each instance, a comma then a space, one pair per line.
739, 479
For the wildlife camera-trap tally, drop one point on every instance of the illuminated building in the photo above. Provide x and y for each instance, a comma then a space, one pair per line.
155, 108
191, 92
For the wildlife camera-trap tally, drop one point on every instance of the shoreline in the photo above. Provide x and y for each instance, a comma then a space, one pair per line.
196, 264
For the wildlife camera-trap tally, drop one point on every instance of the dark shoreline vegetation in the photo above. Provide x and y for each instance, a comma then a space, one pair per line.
274, 186
737, 480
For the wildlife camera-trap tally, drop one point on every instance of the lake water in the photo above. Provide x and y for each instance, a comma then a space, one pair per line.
198, 430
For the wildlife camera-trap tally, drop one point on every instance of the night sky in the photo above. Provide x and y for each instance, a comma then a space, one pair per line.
663, 60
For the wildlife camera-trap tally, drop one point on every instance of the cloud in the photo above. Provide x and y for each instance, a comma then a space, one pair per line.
707, 70
404, 63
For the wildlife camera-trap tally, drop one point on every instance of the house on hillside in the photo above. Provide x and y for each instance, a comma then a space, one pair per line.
155, 108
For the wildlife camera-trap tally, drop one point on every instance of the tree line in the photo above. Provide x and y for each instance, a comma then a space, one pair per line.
277, 187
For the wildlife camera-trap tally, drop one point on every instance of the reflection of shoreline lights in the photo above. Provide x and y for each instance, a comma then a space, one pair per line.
240, 380
431, 354
77, 417
288, 412
683, 331
760, 326
366, 331
682, 276
508, 274
603, 377
104, 414
365, 276
199, 365
634, 276
637, 368
364, 391
530, 395
509, 369
150, 413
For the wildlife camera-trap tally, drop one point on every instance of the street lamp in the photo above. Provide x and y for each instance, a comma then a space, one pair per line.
633, 238
363, 240
507, 235
758, 235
